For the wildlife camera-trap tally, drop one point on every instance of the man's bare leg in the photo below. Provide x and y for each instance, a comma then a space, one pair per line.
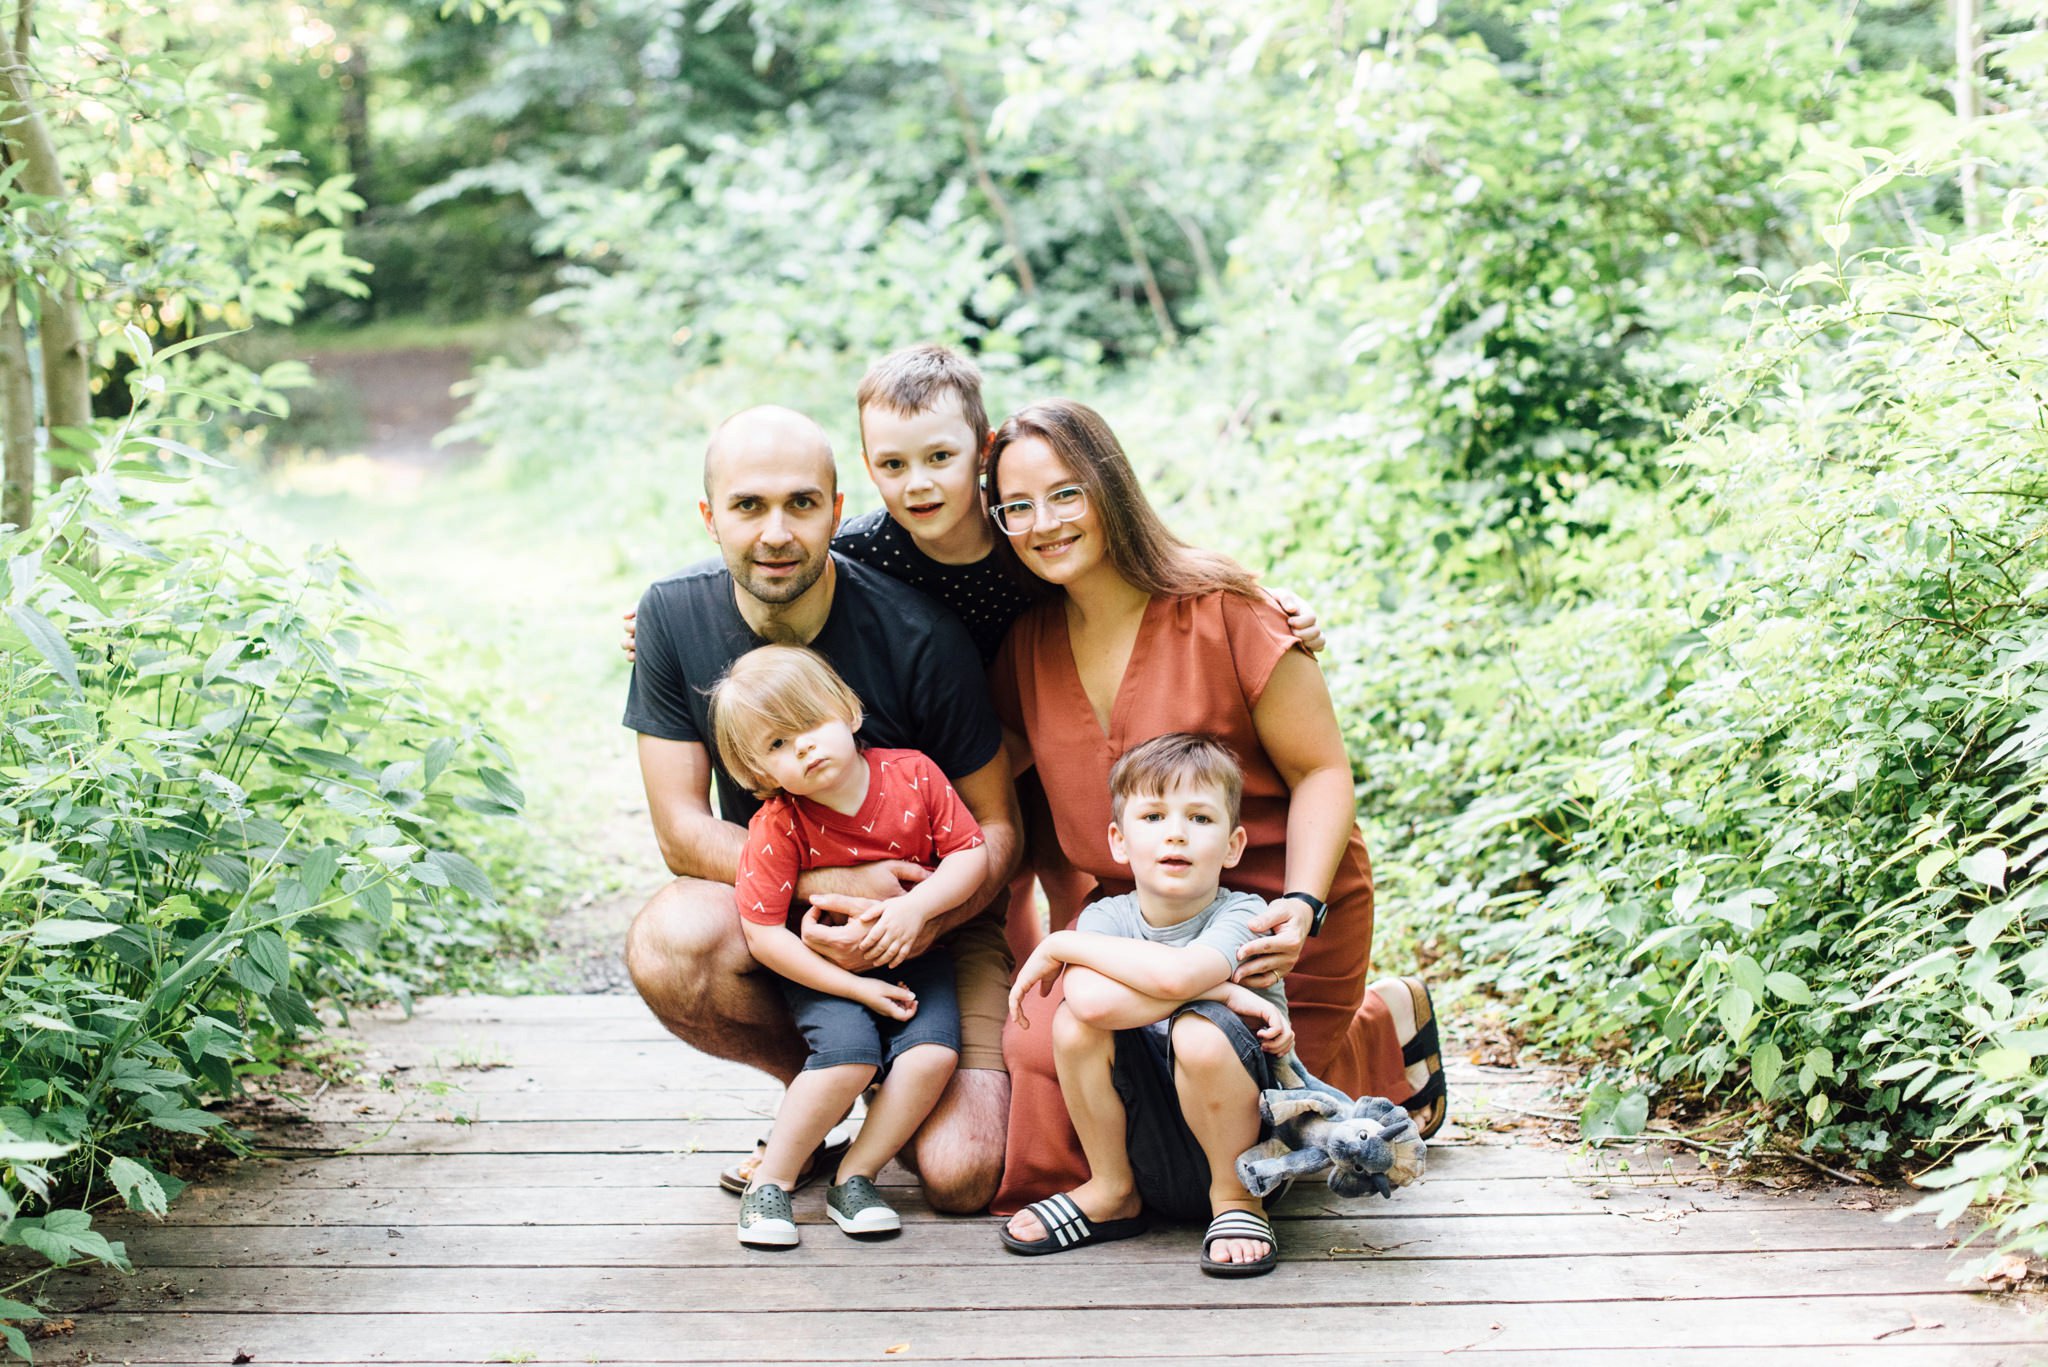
689, 962
958, 1151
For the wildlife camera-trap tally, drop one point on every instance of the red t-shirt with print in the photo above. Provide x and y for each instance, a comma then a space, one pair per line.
911, 813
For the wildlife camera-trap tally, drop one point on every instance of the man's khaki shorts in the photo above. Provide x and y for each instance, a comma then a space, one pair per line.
982, 968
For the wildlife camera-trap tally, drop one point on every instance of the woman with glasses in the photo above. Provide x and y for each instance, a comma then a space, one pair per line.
1147, 636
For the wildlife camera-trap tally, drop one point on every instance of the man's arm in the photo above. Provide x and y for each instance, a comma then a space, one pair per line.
694, 842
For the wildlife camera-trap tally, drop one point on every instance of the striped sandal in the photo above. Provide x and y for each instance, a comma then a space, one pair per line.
1240, 1224
1067, 1228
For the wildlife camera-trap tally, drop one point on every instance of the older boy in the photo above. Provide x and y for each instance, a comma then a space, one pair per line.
1160, 1071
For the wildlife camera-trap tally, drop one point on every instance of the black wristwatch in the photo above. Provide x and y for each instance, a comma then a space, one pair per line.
1316, 905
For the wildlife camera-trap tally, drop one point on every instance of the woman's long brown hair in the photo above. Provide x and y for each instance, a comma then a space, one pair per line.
1141, 549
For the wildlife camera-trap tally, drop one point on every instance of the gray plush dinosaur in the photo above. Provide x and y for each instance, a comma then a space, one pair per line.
1368, 1145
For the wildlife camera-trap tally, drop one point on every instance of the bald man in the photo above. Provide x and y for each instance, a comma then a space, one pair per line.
771, 502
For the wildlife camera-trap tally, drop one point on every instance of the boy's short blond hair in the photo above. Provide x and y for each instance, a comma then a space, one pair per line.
910, 381
771, 691
1173, 760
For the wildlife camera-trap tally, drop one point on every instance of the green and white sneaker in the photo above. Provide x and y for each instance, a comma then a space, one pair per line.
766, 1219
856, 1207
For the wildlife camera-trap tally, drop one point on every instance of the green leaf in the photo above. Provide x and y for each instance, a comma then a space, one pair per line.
1989, 923
69, 932
462, 873
1609, 1113
1985, 866
438, 755
268, 950
503, 788
1766, 1066
49, 642
317, 870
138, 1186
1789, 987
1931, 864
1737, 1010
2002, 1065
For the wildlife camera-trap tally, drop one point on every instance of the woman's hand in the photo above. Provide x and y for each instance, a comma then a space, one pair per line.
1042, 969
1283, 926
1276, 1034
893, 1000
633, 632
894, 929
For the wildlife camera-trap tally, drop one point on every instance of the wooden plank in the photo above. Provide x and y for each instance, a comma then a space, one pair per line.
1023, 1284
1245, 1323
699, 1205
973, 1240
1447, 1163
1891, 1353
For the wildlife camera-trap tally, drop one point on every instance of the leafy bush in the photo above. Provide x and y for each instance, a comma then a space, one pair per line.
1747, 793
222, 803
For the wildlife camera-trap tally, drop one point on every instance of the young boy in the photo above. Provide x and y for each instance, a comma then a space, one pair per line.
1160, 1071
784, 722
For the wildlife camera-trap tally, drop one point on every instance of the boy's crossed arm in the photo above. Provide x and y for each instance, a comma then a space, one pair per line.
1114, 983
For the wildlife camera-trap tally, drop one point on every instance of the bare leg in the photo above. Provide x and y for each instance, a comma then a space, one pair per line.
689, 962
1221, 1103
814, 1103
958, 1151
1023, 923
1084, 1054
907, 1096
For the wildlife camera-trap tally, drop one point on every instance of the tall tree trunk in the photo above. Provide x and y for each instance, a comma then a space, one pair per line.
17, 412
1968, 106
1026, 280
355, 116
67, 353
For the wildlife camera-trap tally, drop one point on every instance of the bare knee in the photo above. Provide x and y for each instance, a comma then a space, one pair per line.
1203, 1053
1090, 999
682, 942
925, 1062
959, 1150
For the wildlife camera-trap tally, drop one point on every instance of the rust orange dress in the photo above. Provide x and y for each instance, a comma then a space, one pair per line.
1200, 664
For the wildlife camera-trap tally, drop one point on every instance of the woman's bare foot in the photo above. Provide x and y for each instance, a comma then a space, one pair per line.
1096, 1201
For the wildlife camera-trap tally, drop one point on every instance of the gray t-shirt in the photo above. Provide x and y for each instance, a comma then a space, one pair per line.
1224, 926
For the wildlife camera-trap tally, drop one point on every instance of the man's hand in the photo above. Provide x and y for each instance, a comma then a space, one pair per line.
633, 631
868, 882
1042, 969
1301, 620
1276, 1035
893, 1000
840, 943
1284, 928
894, 928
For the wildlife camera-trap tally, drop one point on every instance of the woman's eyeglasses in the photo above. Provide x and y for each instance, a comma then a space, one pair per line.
1019, 516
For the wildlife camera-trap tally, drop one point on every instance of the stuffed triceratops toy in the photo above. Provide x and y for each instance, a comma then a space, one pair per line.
1368, 1145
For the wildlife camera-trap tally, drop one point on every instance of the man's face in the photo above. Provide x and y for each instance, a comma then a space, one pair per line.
1177, 843
772, 513
925, 465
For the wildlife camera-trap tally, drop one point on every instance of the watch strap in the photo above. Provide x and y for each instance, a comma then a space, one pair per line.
1317, 906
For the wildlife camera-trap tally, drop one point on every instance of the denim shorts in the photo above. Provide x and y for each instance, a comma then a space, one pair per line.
838, 1031
1172, 1170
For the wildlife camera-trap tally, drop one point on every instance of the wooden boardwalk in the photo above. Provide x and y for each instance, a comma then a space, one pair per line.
538, 1185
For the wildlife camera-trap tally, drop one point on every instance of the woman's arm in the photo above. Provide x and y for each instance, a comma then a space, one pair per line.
1297, 725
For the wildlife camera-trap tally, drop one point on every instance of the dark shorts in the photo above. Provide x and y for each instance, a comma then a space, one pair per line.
1172, 1170
838, 1031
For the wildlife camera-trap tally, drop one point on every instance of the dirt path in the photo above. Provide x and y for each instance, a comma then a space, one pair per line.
511, 593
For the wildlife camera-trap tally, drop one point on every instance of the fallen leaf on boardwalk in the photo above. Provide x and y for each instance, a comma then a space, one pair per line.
1371, 1248
1917, 1323
897, 1348
1858, 1204
1670, 1214
2011, 1273
50, 1329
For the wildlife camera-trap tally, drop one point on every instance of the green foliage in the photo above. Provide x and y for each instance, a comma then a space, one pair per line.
222, 803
